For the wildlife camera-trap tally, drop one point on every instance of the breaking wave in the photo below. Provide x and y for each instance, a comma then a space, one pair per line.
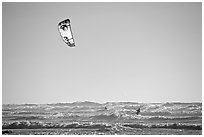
100, 126
42, 125
169, 126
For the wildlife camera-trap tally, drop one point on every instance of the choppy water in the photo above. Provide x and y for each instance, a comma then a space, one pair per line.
118, 118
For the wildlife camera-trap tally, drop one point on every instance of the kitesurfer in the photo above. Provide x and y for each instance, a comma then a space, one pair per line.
138, 111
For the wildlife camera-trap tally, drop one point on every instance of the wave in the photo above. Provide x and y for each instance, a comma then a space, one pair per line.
168, 126
174, 118
105, 117
42, 125
99, 126
98, 117
85, 103
145, 107
166, 109
25, 117
160, 118
124, 116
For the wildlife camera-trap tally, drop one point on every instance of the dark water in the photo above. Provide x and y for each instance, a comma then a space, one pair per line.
93, 118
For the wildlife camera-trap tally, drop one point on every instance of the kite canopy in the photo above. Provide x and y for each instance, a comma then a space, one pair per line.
64, 28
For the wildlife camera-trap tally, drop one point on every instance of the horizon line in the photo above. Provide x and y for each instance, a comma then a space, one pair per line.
103, 102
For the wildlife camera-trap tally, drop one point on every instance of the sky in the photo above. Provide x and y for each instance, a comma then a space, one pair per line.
133, 52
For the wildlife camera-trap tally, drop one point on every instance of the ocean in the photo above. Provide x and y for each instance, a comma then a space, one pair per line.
111, 118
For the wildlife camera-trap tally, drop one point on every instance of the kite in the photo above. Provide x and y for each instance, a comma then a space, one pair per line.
65, 31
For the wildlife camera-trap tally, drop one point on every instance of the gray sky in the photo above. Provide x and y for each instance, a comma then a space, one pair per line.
141, 52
